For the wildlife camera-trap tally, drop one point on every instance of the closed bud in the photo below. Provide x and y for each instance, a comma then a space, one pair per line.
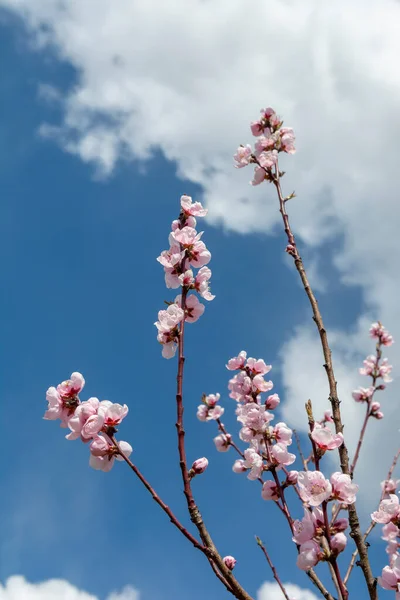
292, 477
230, 562
338, 542
199, 466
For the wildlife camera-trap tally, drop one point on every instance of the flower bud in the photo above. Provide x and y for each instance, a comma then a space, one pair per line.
375, 406
238, 466
292, 477
338, 542
272, 402
199, 466
230, 562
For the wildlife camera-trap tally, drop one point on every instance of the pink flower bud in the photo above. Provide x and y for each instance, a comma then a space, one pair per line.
292, 477
375, 406
272, 401
230, 562
338, 542
199, 465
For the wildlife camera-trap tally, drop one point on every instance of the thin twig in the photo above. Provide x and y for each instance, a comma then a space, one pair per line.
273, 569
303, 460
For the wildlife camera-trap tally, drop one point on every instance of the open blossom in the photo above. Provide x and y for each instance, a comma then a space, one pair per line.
209, 409
103, 453
259, 176
389, 486
372, 368
313, 487
194, 209
389, 510
202, 283
363, 394
223, 442
390, 578
304, 530
325, 439
193, 308
268, 159
309, 555
93, 416
167, 326
257, 366
260, 385
63, 400
71, 387
343, 489
237, 362
280, 455
243, 156
252, 461
269, 491
281, 433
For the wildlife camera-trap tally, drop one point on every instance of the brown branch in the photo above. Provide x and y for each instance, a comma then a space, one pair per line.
273, 569
234, 586
356, 533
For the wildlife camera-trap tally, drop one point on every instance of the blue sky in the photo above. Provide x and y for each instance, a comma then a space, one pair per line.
81, 292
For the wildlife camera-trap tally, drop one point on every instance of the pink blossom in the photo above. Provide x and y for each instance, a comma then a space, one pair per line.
254, 417
363, 394
390, 531
270, 117
378, 331
280, 455
338, 542
313, 487
192, 208
269, 491
193, 307
199, 465
282, 433
260, 385
389, 486
304, 530
209, 410
186, 279
266, 142
340, 525
230, 562
389, 510
257, 128
292, 477
237, 362
375, 412
167, 326
223, 442
268, 159
390, 578
328, 417
309, 555
239, 466
287, 140
202, 283
57, 407
186, 236
253, 461
240, 385
258, 366
259, 176
342, 488
171, 258
325, 439
82, 414
104, 452
71, 387
272, 401
198, 255
243, 156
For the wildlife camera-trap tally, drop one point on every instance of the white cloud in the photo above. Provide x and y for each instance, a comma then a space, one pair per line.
17, 588
156, 75
272, 591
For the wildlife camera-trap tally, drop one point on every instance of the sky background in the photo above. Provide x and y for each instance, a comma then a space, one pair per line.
110, 112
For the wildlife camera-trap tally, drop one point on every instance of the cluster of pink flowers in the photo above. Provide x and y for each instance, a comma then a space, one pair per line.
376, 368
186, 251
92, 421
388, 515
272, 139
268, 444
308, 535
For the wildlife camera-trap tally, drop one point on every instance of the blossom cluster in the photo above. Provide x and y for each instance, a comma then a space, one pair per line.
91, 421
272, 139
186, 251
388, 515
376, 368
